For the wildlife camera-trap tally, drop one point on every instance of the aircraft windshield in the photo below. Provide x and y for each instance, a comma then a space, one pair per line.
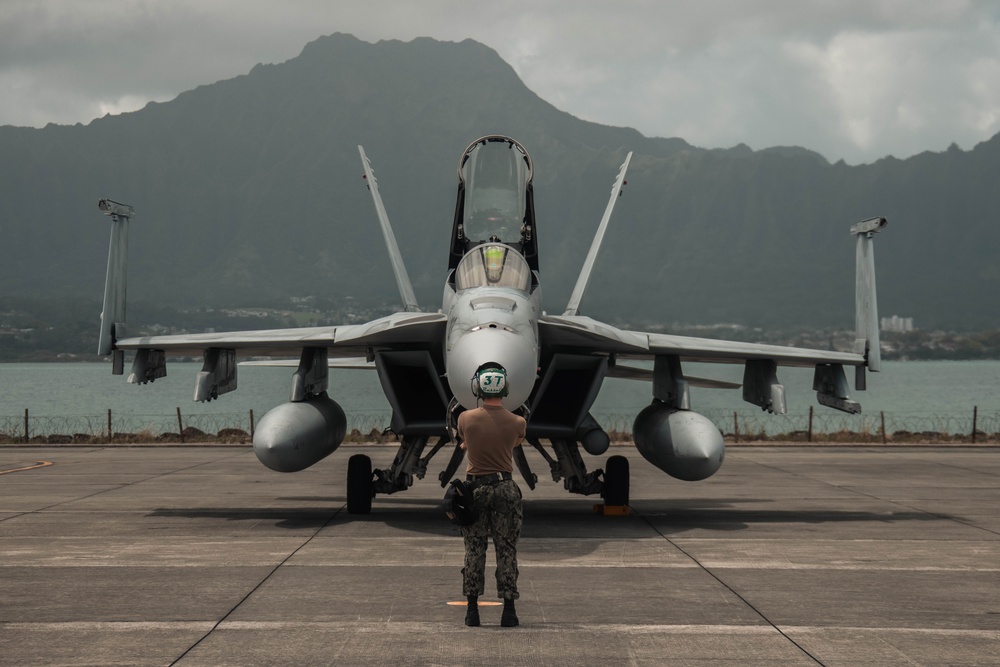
496, 174
493, 265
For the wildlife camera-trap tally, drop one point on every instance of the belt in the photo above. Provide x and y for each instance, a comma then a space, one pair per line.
492, 478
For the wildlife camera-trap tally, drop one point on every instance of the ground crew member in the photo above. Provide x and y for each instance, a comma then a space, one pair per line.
489, 435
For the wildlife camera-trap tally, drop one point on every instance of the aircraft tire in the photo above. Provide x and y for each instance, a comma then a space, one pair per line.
359, 484
616, 481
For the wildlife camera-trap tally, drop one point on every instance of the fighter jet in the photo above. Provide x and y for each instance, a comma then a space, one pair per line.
491, 311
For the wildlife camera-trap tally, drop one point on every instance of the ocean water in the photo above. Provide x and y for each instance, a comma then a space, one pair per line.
914, 395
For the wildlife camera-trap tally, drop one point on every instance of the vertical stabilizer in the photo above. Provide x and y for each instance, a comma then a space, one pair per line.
398, 268
866, 339
113, 313
573, 307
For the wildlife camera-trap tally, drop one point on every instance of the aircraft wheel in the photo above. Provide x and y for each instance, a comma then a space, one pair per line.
359, 484
616, 483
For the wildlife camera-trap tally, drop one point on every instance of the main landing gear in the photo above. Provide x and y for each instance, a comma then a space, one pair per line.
616, 482
364, 482
359, 485
567, 465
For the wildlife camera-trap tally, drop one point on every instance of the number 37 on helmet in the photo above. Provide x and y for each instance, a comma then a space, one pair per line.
490, 381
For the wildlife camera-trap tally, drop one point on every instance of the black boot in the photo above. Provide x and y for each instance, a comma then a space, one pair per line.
508, 618
472, 612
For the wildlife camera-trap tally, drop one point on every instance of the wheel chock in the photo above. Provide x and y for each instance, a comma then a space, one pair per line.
612, 510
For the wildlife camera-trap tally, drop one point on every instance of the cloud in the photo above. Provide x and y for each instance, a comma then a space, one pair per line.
856, 79
893, 90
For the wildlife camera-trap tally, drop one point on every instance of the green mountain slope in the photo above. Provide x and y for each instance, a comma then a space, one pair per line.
249, 189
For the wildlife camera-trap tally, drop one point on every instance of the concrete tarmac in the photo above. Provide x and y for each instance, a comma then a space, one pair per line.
788, 556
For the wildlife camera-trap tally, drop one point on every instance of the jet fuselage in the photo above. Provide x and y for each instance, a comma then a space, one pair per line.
492, 324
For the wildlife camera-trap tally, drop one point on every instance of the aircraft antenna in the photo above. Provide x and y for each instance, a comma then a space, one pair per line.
573, 307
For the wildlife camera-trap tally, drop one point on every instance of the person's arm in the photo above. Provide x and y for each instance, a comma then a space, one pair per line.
524, 429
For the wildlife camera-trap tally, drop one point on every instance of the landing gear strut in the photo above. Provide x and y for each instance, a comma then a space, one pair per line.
568, 466
363, 482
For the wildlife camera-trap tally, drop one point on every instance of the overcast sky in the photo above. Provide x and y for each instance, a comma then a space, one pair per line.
851, 79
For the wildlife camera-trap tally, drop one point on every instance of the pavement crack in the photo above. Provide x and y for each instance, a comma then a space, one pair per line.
722, 583
263, 581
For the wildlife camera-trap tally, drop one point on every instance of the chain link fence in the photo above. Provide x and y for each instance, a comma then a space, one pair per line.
813, 426
140, 428
737, 426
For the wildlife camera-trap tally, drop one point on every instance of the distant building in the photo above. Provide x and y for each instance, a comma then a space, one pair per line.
897, 324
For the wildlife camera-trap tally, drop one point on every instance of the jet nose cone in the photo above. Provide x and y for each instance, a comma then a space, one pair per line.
512, 350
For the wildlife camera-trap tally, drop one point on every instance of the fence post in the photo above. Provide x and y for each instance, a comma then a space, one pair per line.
26, 425
975, 418
736, 427
111, 433
180, 425
251, 423
882, 414
810, 423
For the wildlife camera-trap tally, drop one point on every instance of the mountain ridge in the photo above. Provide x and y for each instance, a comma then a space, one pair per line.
249, 189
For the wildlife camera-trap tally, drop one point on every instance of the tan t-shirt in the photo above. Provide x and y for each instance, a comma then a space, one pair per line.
490, 434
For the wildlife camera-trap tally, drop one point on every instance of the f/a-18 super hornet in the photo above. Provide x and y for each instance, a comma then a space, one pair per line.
492, 312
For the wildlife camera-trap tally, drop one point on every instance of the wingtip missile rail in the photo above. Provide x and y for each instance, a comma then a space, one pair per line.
112, 207
869, 226
113, 313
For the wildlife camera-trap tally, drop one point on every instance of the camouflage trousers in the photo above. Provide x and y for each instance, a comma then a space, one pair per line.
500, 516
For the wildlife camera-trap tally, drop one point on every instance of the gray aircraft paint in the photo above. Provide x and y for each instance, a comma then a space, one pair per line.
491, 312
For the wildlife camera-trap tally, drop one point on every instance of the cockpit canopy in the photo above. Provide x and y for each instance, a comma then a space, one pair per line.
493, 265
496, 172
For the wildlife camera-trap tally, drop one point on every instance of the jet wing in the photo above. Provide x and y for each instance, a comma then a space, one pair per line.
624, 372
594, 336
345, 363
353, 340
582, 335
724, 351
589, 335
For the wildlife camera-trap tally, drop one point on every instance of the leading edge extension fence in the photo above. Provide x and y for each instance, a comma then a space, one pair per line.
973, 426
